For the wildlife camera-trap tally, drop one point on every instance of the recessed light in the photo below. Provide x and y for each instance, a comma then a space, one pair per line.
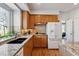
75, 3
38, 3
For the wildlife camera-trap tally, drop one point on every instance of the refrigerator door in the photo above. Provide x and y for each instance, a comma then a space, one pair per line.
52, 43
51, 32
50, 29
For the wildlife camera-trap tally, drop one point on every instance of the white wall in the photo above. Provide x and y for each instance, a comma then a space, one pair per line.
17, 20
74, 15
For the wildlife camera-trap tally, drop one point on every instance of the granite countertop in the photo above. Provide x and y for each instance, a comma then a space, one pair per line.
12, 49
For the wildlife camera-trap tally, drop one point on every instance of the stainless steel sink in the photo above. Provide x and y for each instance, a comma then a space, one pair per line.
17, 41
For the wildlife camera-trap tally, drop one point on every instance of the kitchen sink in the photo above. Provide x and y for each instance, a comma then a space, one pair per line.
17, 41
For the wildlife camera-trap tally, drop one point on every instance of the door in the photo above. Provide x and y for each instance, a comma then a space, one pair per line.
76, 29
69, 33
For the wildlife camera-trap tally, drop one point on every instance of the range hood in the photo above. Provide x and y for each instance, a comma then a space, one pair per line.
40, 24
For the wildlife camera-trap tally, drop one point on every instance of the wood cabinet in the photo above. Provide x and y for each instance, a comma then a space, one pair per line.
44, 41
40, 41
52, 18
28, 20
25, 20
37, 41
28, 17
37, 19
34, 19
31, 22
28, 48
45, 18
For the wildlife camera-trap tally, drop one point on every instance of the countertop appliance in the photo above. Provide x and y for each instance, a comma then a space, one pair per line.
52, 32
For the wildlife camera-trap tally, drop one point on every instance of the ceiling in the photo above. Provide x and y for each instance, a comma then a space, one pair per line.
44, 8
12, 6
63, 7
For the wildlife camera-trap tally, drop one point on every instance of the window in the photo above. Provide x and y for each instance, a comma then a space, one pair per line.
63, 27
63, 30
5, 18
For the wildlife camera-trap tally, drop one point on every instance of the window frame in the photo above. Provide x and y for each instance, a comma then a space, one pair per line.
11, 22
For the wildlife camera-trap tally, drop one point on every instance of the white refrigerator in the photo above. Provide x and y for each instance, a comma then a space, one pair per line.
52, 32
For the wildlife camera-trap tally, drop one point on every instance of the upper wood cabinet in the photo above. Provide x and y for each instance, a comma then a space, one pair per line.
44, 18
34, 19
31, 22
25, 19
28, 19
53, 18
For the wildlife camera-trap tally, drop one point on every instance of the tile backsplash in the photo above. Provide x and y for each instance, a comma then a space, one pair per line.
40, 28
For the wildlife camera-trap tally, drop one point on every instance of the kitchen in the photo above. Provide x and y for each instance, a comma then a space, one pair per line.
45, 29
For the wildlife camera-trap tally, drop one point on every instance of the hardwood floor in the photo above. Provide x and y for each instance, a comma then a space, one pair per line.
45, 52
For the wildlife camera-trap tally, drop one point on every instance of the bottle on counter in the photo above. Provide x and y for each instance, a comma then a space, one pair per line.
29, 32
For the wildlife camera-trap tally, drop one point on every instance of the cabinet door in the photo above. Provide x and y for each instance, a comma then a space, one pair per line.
44, 41
37, 18
31, 22
28, 47
40, 41
43, 20
51, 18
37, 41
28, 20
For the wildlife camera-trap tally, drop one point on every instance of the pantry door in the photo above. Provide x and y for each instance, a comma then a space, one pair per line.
76, 29
69, 30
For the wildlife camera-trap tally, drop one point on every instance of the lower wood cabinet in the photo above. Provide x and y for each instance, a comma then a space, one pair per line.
40, 41
35, 41
44, 41
27, 50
